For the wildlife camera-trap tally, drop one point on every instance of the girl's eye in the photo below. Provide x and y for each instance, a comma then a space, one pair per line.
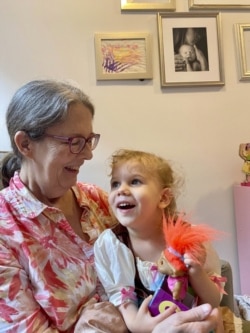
114, 184
136, 181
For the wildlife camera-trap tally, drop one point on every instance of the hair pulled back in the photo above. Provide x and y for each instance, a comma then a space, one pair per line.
35, 107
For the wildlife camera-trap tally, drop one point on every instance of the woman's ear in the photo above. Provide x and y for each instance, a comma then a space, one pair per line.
22, 142
166, 197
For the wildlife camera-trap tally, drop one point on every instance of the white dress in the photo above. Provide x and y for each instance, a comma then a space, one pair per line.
115, 265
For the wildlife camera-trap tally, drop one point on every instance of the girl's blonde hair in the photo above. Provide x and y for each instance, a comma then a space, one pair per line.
155, 166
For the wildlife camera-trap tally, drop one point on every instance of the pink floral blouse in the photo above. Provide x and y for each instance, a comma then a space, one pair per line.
46, 270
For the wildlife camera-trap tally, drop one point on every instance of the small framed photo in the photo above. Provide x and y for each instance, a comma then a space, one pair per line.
219, 4
190, 49
123, 56
242, 32
168, 5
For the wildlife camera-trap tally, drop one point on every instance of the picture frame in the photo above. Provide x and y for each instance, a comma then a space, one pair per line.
158, 5
218, 4
242, 32
3, 153
123, 56
203, 30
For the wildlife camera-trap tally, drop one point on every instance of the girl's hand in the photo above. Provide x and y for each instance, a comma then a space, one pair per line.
205, 289
193, 266
144, 322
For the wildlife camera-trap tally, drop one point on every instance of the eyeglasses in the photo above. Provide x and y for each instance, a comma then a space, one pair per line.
77, 143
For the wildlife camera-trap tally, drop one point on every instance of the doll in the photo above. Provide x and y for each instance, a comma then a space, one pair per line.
181, 237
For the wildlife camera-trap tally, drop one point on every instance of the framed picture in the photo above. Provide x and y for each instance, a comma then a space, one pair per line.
190, 49
168, 5
123, 56
2, 155
219, 4
242, 32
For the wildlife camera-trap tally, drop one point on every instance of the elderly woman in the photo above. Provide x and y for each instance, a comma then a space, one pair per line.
49, 221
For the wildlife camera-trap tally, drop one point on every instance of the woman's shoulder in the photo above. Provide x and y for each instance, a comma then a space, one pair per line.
17, 198
87, 193
89, 188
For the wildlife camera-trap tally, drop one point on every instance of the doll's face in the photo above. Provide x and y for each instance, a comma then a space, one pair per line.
165, 267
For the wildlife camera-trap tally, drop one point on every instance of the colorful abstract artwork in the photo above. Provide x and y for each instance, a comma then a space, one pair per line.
123, 56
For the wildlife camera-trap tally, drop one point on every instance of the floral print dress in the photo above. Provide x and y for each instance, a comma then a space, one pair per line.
47, 272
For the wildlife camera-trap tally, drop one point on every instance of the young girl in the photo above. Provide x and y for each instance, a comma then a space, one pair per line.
142, 191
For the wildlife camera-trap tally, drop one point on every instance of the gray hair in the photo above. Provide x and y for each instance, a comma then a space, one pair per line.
39, 105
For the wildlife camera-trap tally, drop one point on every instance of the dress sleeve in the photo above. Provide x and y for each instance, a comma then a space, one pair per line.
115, 268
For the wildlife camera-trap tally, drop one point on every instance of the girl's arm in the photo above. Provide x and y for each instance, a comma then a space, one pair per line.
115, 268
199, 277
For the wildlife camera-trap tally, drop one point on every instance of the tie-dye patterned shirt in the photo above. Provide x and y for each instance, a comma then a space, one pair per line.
46, 270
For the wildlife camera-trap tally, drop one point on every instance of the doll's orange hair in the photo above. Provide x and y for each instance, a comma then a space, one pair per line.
182, 237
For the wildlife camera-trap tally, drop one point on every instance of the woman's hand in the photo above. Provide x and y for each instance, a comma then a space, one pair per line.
201, 319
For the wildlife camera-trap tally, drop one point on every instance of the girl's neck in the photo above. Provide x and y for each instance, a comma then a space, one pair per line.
147, 247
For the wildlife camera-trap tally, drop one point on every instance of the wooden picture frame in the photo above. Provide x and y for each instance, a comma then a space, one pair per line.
123, 56
218, 4
207, 69
158, 5
242, 32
